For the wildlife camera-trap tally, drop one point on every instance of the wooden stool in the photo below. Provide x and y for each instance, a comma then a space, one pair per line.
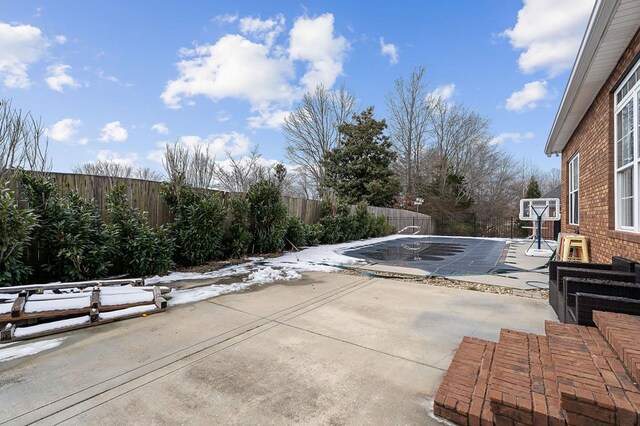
577, 244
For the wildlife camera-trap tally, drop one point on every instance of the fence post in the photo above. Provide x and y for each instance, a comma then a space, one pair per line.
511, 227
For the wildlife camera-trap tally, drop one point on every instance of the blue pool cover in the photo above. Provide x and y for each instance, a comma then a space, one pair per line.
444, 256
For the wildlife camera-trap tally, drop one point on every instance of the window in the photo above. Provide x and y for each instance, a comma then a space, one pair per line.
626, 126
574, 187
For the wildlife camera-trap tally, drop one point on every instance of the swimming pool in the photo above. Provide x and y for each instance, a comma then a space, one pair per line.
439, 255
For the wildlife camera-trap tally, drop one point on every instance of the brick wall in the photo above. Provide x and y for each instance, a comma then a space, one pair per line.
593, 139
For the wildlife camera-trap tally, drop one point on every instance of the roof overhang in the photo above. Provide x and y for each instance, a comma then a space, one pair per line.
612, 25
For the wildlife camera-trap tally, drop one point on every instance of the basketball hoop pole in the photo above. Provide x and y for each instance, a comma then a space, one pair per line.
539, 215
540, 231
538, 210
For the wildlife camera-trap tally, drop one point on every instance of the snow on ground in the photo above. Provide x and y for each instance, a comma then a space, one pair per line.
260, 276
259, 271
224, 272
13, 351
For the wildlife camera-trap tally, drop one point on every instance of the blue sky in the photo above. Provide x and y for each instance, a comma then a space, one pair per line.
115, 80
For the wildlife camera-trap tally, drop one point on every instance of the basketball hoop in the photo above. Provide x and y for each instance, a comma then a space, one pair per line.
539, 210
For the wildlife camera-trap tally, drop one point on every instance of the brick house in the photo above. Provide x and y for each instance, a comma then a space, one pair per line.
596, 130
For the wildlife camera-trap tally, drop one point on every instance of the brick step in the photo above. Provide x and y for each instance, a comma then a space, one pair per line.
623, 334
522, 384
594, 386
461, 396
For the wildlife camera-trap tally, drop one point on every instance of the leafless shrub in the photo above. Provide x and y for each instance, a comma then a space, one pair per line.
312, 130
21, 142
237, 175
194, 167
117, 170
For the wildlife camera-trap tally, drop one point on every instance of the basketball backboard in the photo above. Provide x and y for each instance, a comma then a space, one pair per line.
547, 208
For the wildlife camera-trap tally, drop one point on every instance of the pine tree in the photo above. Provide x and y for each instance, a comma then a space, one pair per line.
533, 189
358, 169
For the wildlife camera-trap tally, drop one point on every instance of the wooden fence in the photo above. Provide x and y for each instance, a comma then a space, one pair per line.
145, 195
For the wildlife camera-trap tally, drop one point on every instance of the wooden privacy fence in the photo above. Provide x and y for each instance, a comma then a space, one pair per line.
410, 222
145, 195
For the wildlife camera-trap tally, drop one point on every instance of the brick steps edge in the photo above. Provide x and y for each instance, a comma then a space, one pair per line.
593, 383
523, 388
461, 397
622, 332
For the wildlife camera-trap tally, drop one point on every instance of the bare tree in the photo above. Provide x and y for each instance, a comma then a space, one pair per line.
194, 167
409, 110
21, 144
550, 180
237, 175
115, 169
457, 136
104, 168
145, 173
312, 130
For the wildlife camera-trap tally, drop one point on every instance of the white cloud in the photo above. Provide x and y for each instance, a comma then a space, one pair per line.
312, 40
113, 132
515, 137
225, 19
222, 116
60, 39
268, 119
227, 68
20, 47
64, 129
57, 77
217, 145
161, 128
529, 97
265, 30
104, 76
125, 158
390, 50
444, 92
549, 33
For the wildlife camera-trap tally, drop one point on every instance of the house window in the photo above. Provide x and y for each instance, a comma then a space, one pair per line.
626, 126
574, 189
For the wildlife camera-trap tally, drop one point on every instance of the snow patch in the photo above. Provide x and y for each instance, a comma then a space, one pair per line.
50, 326
19, 351
57, 304
127, 312
5, 308
113, 299
183, 276
269, 275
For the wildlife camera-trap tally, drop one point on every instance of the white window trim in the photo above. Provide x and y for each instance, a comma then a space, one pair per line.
572, 164
633, 96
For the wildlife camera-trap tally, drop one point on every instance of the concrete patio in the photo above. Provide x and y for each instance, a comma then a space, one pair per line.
326, 349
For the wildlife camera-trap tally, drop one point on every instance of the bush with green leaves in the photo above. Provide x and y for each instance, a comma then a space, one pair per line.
297, 231
72, 241
337, 225
238, 239
314, 234
198, 225
141, 249
340, 225
363, 222
267, 217
16, 226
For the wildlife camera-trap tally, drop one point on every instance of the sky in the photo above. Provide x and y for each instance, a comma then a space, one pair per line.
117, 80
